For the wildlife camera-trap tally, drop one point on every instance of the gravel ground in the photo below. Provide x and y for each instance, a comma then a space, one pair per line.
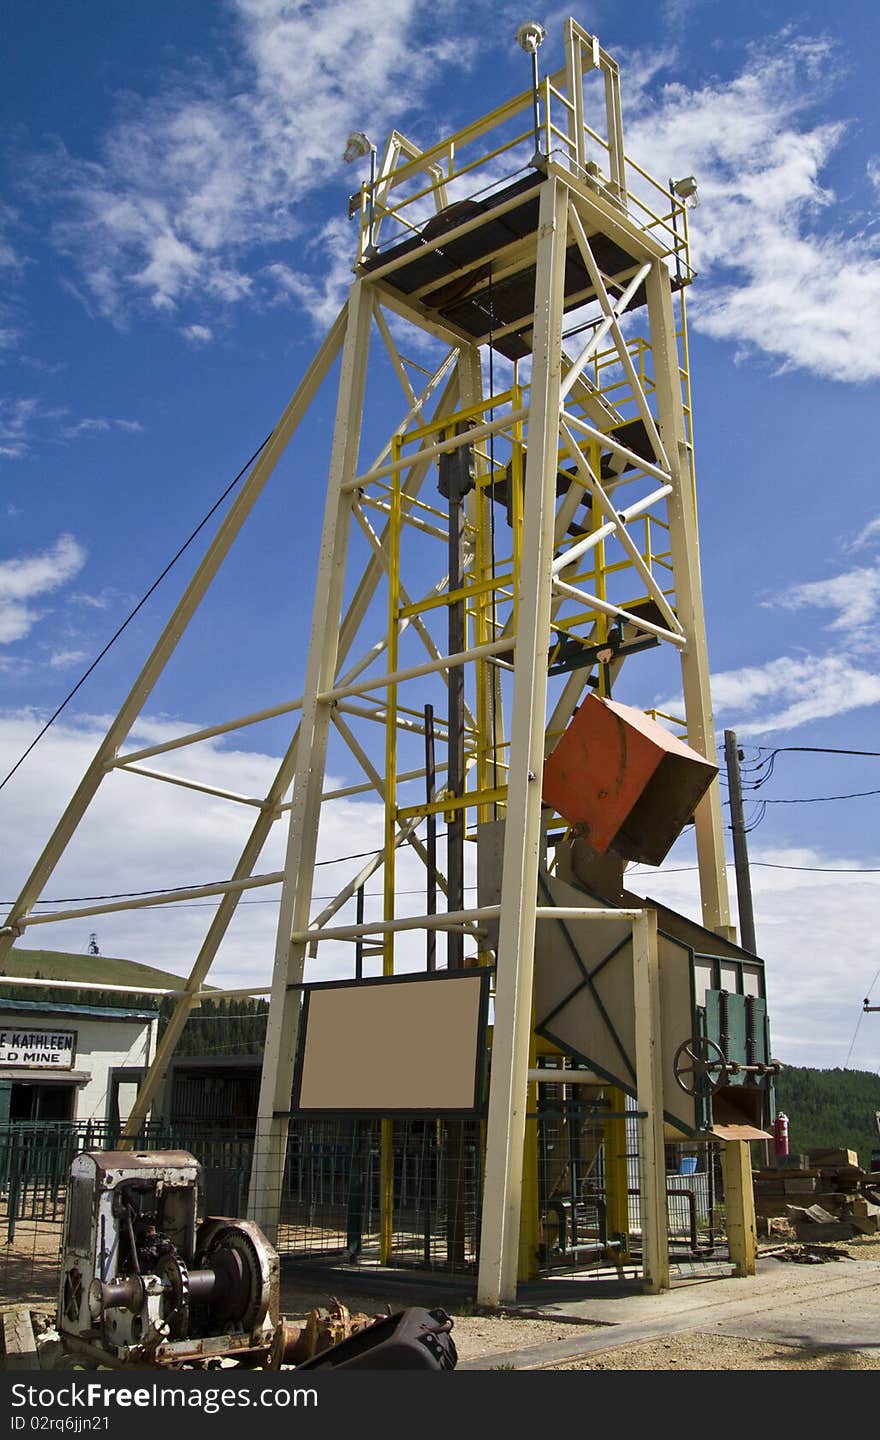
719, 1352
478, 1335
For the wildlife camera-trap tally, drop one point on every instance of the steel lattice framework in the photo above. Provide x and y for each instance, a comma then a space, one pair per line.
565, 523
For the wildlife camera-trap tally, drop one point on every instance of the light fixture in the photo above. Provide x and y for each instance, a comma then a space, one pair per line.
530, 36
686, 190
357, 147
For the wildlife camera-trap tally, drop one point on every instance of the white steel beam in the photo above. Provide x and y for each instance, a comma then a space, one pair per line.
413, 672
146, 902
589, 349
441, 447
283, 1024
187, 784
608, 442
592, 602
684, 545
502, 1194
174, 629
580, 547
649, 1100
611, 315
619, 527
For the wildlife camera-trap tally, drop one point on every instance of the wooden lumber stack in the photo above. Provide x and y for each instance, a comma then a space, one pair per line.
825, 1194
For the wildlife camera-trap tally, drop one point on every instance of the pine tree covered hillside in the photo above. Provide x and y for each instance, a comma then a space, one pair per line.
833, 1108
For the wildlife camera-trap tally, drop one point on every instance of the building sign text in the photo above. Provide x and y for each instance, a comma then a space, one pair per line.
38, 1049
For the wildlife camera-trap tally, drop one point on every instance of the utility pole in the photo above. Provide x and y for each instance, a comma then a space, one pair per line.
740, 850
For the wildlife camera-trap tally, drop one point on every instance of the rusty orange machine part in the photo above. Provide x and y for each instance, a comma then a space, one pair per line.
623, 782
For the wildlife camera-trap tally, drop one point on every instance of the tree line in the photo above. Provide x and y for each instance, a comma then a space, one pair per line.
831, 1108
215, 1027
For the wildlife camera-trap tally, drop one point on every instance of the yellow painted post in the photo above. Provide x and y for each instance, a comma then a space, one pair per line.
600, 621
483, 607
739, 1206
616, 1174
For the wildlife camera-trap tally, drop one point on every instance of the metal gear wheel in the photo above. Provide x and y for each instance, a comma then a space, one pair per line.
171, 1267
243, 1290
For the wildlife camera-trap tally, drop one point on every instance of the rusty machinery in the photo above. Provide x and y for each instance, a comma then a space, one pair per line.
144, 1282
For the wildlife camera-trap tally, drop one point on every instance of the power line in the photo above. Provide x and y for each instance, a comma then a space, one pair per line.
139, 606
858, 1023
816, 799
212, 904
183, 889
772, 865
815, 750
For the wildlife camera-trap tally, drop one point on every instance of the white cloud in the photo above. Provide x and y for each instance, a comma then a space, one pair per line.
866, 536
778, 271
99, 425
140, 834
24, 578
853, 598
788, 692
320, 295
25, 420
194, 179
197, 334
15, 421
61, 659
12, 265
830, 676
815, 983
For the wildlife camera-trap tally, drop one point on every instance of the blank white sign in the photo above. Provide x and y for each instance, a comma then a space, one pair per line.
398, 1044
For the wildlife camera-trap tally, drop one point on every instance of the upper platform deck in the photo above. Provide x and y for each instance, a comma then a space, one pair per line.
481, 279
453, 229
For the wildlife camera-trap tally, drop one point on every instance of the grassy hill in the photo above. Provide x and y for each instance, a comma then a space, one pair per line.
216, 1027
87, 969
831, 1108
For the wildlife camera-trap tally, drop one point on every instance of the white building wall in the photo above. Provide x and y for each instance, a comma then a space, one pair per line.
105, 1045
102, 1045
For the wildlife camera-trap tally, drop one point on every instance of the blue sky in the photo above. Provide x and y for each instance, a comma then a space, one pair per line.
173, 243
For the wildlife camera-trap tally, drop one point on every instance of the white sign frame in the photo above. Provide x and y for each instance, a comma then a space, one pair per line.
17, 1054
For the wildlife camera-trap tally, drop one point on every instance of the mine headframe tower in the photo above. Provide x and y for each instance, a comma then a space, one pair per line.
567, 542
543, 472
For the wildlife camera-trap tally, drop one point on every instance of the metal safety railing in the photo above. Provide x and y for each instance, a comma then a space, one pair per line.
547, 124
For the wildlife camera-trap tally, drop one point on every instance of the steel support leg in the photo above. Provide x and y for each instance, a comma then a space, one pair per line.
739, 1206
684, 543
649, 1099
502, 1196
284, 1007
